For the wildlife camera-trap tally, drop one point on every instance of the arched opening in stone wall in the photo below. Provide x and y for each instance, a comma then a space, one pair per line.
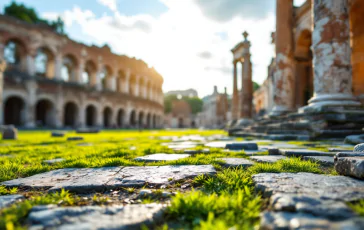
154, 121
141, 120
91, 116
132, 118
45, 113
149, 121
15, 54
357, 41
70, 116
107, 114
180, 122
132, 84
120, 81
69, 68
120, 118
304, 71
89, 73
14, 111
45, 62
105, 77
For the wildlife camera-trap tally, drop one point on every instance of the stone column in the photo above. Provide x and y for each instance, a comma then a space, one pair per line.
136, 86
32, 88
247, 84
58, 67
235, 101
331, 56
2, 69
284, 73
30, 63
80, 71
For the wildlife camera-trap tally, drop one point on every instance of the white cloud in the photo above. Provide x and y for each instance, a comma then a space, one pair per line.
188, 48
111, 4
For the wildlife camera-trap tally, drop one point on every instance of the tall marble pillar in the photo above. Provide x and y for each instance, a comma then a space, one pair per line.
331, 55
284, 73
235, 105
247, 84
2, 69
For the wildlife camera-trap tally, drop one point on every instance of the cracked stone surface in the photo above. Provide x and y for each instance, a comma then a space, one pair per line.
95, 217
162, 157
235, 162
53, 161
97, 179
267, 159
359, 148
322, 160
350, 166
323, 186
304, 152
8, 200
332, 209
289, 220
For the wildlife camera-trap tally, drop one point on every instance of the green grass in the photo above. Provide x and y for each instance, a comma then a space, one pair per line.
228, 199
12, 217
225, 200
358, 207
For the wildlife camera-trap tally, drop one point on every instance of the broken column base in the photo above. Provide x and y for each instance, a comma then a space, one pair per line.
325, 123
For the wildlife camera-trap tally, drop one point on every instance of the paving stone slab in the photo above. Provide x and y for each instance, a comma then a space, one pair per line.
289, 220
349, 154
267, 159
157, 175
73, 179
235, 162
304, 152
359, 148
75, 139
242, 146
322, 160
96, 217
97, 179
350, 166
204, 151
317, 185
162, 157
57, 134
337, 150
53, 161
354, 139
8, 200
327, 208
222, 144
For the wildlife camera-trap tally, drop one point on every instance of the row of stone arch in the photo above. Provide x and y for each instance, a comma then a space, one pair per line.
15, 112
45, 64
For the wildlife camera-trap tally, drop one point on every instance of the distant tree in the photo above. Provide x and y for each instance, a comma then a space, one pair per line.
195, 103
168, 103
255, 86
29, 15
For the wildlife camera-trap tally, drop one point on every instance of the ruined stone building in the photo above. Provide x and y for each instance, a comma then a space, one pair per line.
215, 112
316, 79
53, 81
339, 67
180, 116
242, 99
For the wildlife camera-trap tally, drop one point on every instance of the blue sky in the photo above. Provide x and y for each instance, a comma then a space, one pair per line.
187, 41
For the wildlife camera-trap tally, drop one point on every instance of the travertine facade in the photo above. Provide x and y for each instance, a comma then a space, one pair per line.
322, 43
52, 81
